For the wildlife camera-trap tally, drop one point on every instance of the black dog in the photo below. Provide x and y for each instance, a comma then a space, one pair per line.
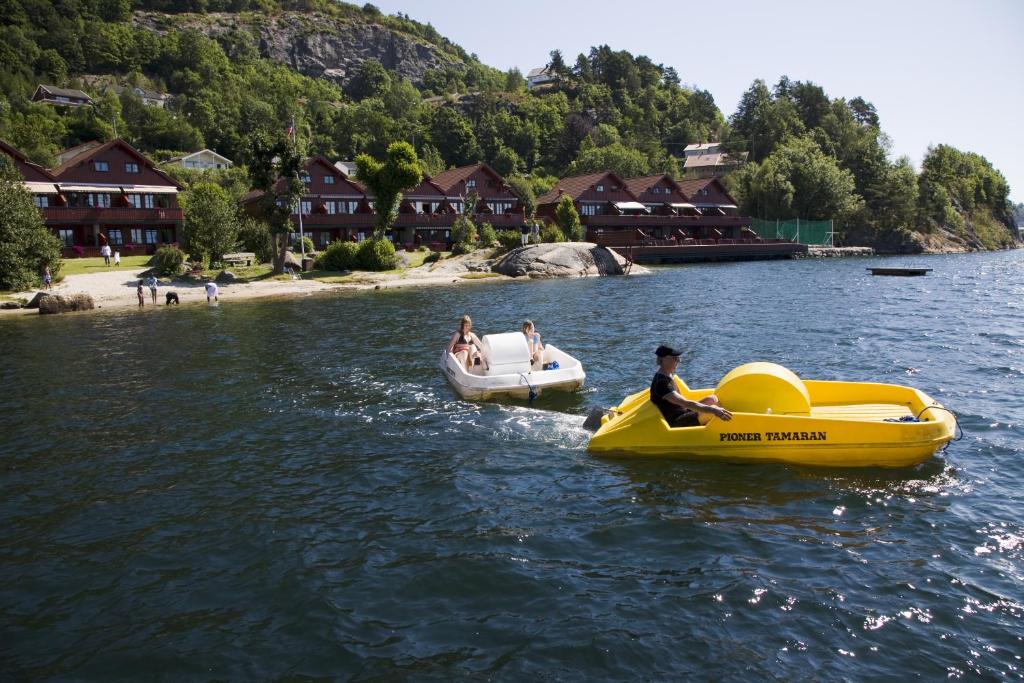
172, 298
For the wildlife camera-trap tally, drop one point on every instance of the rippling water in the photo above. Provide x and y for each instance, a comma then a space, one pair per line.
289, 489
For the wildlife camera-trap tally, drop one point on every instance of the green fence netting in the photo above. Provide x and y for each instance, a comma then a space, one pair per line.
796, 229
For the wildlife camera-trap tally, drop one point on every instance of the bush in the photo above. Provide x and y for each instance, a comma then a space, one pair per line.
254, 236
551, 233
432, 257
168, 260
463, 235
509, 240
488, 237
297, 245
423, 247
338, 256
376, 254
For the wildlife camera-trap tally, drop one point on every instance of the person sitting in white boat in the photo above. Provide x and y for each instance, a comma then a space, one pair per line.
533, 341
464, 344
679, 411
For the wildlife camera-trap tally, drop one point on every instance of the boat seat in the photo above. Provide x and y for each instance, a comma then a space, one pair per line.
862, 411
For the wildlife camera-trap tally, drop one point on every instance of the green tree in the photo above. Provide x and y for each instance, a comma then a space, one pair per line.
569, 219
274, 164
451, 133
624, 161
798, 180
26, 245
464, 235
522, 187
211, 222
399, 171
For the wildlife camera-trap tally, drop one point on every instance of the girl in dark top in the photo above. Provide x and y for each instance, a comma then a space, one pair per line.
464, 344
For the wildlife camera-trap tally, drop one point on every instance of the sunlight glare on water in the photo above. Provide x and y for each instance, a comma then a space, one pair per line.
289, 489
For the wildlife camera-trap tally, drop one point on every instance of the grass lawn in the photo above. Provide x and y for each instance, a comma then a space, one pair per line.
478, 276
94, 264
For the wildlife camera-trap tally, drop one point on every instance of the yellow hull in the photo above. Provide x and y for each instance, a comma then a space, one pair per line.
844, 425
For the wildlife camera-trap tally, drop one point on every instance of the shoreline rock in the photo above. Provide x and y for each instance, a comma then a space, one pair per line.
562, 259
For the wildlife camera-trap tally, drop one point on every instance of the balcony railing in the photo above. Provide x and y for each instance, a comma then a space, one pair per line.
405, 220
63, 214
665, 221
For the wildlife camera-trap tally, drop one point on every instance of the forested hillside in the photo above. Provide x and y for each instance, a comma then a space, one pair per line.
225, 65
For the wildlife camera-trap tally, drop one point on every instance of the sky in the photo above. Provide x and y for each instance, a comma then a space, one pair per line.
938, 71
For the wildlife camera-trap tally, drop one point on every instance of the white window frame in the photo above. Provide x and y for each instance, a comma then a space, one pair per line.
328, 180
131, 167
101, 166
41, 201
599, 188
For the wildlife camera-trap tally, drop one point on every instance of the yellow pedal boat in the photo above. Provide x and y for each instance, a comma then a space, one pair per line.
778, 417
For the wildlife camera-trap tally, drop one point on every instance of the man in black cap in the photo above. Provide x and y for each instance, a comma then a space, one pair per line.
679, 411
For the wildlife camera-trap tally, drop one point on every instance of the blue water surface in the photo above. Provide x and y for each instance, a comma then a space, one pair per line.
289, 489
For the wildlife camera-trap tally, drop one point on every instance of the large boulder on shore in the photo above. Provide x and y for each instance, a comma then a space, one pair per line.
560, 259
57, 303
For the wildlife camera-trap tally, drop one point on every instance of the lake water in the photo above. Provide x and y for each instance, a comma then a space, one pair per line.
289, 489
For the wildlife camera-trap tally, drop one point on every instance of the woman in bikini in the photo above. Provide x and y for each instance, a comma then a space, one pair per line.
464, 344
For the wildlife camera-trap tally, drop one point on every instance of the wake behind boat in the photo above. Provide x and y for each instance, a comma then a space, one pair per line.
506, 370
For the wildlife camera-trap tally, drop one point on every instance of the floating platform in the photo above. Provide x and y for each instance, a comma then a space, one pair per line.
900, 272
698, 253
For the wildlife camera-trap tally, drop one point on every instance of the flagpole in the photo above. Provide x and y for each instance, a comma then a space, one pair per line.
302, 235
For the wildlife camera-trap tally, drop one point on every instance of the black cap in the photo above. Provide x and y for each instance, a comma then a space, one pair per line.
667, 351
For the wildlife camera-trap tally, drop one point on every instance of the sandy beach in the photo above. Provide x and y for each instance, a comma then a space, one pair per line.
117, 289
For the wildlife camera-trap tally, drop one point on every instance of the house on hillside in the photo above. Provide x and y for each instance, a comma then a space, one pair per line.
542, 75
203, 160
64, 97
346, 167
107, 194
709, 159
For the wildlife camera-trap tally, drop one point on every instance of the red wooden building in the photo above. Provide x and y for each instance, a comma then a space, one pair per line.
635, 210
106, 194
338, 207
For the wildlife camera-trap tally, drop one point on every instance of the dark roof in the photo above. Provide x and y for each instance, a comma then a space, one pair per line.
577, 185
640, 185
21, 158
447, 181
117, 142
689, 188
65, 92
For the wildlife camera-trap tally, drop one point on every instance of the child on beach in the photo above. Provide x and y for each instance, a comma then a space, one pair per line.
142, 297
47, 278
211, 291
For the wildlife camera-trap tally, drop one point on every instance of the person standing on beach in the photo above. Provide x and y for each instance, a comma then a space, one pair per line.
105, 253
142, 297
117, 259
151, 282
47, 278
211, 291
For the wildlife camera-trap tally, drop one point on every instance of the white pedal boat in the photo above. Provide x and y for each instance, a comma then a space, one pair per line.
506, 370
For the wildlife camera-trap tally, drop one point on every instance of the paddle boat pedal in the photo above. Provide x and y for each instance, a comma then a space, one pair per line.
506, 370
781, 418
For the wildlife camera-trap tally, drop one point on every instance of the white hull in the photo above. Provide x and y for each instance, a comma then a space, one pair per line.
477, 385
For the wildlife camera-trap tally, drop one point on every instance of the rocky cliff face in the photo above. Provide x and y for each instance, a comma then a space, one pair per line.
317, 45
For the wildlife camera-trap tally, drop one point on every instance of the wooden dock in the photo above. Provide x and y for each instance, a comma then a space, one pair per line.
901, 272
